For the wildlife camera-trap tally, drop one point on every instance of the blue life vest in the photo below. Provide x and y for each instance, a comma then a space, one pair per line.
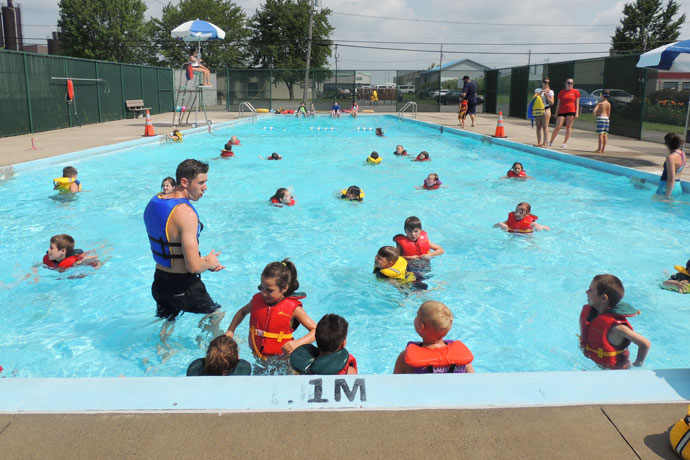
156, 217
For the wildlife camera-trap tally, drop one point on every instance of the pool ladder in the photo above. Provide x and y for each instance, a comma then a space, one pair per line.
250, 108
413, 110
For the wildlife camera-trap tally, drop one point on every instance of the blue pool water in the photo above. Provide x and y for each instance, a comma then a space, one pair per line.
516, 300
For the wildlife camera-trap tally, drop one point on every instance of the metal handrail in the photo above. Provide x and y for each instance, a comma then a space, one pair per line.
249, 107
410, 104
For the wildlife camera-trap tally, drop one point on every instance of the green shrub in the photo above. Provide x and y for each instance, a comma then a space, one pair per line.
670, 115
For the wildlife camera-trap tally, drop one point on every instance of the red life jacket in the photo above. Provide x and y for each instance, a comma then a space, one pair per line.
512, 174
237, 142
449, 359
67, 262
523, 225
270, 327
404, 152
351, 362
422, 159
431, 187
595, 343
413, 248
280, 204
227, 153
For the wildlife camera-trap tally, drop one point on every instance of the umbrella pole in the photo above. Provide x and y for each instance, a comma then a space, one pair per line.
685, 133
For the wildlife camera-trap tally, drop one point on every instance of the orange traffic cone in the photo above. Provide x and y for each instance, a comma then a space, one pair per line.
148, 130
500, 131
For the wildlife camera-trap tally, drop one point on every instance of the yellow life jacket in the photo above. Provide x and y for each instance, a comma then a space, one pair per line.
374, 160
343, 194
680, 437
177, 137
537, 106
62, 183
399, 271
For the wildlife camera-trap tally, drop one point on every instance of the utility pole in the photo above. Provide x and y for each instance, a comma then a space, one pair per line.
306, 72
440, 66
336, 70
529, 57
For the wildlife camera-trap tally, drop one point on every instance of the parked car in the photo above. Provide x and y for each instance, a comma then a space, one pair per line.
435, 93
587, 101
343, 92
620, 95
453, 97
406, 89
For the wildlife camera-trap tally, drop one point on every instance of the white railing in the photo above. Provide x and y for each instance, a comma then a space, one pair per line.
250, 108
412, 106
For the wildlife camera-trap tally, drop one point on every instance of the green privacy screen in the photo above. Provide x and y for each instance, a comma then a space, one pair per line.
33, 89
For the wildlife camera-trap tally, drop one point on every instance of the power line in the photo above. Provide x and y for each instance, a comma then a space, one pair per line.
473, 52
472, 23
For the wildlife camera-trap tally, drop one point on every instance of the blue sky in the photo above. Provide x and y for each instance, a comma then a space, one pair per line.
465, 30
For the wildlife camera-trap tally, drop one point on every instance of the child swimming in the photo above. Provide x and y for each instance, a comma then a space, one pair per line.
353, 193
374, 158
175, 136
680, 281
234, 140
329, 356
222, 358
227, 151
399, 151
168, 185
521, 221
275, 312
274, 156
388, 264
431, 182
62, 255
282, 197
68, 183
517, 172
423, 156
379, 132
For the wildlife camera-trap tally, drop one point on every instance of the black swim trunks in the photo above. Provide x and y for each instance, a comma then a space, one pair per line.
176, 293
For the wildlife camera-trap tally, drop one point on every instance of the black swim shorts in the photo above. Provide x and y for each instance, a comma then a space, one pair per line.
471, 108
567, 114
180, 292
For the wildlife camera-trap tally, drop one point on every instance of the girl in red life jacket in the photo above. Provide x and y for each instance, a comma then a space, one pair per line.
282, 197
516, 172
430, 183
275, 312
521, 221
234, 141
423, 156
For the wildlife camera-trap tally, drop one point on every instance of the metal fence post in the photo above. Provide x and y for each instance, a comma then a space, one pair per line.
69, 114
270, 89
122, 89
642, 99
28, 94
98, 93
158, 89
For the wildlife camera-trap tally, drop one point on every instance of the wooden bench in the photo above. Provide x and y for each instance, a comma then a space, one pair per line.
136, 106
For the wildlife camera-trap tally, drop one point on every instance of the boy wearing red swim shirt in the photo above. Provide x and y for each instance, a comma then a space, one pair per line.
415, 243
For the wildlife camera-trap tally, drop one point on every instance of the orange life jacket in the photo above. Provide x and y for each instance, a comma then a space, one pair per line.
512, 174
523, 225
270, 327
444, 360
413, 248
595, 343
67, 262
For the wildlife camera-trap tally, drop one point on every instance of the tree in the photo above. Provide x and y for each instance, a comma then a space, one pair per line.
645, 25
110, 30
279, 40
222, 13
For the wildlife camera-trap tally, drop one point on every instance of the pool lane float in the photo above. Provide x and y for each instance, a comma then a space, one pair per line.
74, 256
62, 183
306, 360
374, 161
227, 153
522, 173
679, 437
523, 225
262, 110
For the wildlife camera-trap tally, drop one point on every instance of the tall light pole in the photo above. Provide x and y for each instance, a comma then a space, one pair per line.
336, 71
306, 72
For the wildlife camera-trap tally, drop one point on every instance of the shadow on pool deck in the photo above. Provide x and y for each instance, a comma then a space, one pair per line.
638, 431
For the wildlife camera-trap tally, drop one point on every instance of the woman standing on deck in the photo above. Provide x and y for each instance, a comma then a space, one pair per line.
567, 110
546, 94
669, 183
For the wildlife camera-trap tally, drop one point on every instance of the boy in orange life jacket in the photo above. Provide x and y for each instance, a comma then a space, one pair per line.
62, 255
433, 354
415, 243
605, 333
329, 357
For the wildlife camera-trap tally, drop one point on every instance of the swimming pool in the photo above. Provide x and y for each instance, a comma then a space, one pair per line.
516, 300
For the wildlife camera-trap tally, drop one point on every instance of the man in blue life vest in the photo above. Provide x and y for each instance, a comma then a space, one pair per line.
173, 228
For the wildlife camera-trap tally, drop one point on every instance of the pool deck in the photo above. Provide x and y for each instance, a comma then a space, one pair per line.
607, 431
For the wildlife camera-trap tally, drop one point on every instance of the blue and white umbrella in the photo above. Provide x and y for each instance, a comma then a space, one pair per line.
197, 31
675, 58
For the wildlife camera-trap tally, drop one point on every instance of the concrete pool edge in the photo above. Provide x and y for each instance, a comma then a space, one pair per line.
603, 166
361, 392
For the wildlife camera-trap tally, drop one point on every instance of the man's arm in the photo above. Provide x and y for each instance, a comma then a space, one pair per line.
187, 223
